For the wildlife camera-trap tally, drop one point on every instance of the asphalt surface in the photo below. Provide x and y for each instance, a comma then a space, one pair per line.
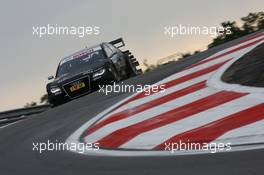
16, 143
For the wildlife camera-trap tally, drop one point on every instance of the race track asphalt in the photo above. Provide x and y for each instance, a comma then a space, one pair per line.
18, 158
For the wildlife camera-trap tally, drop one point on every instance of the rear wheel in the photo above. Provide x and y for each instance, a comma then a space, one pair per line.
116, 76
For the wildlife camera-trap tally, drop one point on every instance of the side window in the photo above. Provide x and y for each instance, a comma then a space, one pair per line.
108, 51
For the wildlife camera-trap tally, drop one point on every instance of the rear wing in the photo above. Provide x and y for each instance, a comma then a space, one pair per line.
118, 42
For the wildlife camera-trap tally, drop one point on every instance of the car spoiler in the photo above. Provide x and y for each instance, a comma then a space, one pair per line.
118, 42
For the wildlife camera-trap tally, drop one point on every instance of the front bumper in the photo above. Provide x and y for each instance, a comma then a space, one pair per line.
92, 84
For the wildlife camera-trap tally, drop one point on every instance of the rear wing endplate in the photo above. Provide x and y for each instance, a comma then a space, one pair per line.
118, 42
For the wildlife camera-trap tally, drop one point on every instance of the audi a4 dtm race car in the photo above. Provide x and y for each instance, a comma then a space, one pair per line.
83, 71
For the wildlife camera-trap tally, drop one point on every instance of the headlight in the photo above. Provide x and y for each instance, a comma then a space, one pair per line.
99, 73
55, 90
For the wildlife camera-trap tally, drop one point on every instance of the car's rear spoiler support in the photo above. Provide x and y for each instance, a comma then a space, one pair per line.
118, 42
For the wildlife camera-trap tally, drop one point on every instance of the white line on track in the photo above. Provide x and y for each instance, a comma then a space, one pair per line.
10, 124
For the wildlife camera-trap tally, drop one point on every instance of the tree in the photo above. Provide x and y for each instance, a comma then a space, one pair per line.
236, 32
30, 104
250, 23
185, 55
148, 66
44, 98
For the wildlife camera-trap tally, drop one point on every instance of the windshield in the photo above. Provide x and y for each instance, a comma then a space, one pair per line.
79, 61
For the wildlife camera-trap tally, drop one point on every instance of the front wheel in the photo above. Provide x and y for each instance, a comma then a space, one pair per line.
116, 76
55, 102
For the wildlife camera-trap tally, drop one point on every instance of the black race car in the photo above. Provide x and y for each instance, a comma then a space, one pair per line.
83, 71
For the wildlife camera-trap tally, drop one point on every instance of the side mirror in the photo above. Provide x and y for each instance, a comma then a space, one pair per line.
51, 77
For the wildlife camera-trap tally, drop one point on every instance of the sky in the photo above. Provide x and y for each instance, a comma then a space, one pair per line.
27, 60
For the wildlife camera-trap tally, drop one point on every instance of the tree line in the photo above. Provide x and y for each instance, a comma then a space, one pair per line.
250, 24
